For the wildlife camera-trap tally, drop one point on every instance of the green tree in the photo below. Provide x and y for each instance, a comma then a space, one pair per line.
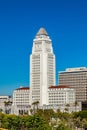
66, 109
31, 111
84, 123
7, 106
76, 104
1, 118
40, 112
1, 110
48, 114
35, 106
37, 103
68, 105
36, 122
62, 127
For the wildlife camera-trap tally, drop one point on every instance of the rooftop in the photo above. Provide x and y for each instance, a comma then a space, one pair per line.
60, 86
78, 69
23, 88
42, 31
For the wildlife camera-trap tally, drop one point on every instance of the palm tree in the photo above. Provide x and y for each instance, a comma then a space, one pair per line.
84, 123
76, 104
67, 107
1, 110
35, 104
58, 110
7, 104
78, 122
31, 111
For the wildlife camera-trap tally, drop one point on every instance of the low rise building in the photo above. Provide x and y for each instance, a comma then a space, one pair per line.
5, 104
62, 97
21, 101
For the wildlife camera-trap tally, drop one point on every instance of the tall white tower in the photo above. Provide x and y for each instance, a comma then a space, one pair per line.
42, 68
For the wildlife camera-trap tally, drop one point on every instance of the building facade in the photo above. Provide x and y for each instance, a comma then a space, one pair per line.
5, 104
77, 79
61, 95
63, 98
42, 68
21, 101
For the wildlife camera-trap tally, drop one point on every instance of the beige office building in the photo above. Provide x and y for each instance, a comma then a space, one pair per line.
75, 78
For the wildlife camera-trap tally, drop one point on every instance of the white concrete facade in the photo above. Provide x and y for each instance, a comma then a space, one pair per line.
62, 98
61, 95
5, 104
21, 101
42, 68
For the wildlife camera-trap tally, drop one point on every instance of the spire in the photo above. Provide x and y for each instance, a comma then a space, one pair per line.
42, 31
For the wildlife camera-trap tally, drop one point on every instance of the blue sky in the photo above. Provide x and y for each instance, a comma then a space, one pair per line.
65, 22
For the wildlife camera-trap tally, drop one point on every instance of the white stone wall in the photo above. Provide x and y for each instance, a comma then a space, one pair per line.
3, 107
61, 96
42, 74
21, 101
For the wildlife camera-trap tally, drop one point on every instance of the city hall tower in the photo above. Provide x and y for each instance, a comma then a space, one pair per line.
42, 68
